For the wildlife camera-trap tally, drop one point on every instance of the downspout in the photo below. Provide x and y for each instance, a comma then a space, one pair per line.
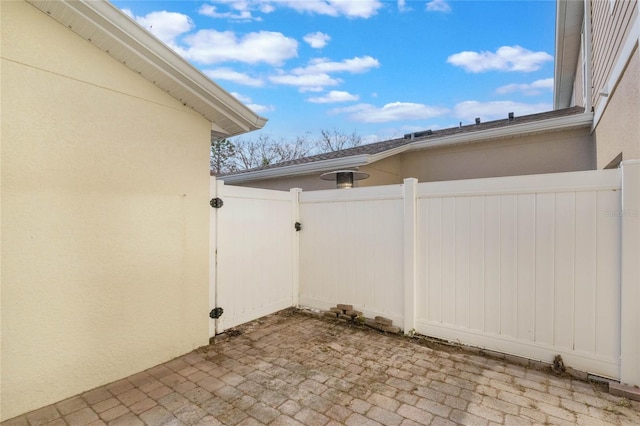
586, 59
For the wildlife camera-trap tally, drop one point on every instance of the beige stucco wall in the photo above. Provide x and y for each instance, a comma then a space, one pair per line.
618, 131
543, 153
104, 217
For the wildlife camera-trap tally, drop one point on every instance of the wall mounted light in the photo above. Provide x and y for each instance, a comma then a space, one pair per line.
344, 179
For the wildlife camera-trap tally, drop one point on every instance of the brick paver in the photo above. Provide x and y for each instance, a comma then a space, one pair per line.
294, 368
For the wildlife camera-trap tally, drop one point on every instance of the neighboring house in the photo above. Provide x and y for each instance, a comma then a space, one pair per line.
556, 141
105, 183
594, 125
598, 68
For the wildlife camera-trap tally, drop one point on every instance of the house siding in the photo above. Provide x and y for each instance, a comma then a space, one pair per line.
565, 151
611, 23
618, 131
104, 229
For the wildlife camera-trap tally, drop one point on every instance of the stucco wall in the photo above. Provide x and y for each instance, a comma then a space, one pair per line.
104, 217
618, 131
544, 153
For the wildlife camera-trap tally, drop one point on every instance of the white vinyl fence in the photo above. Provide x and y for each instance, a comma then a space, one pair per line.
532, 266
526, 265
351, 250
254, 263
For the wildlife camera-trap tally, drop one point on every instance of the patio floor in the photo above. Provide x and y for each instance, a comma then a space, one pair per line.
294, 368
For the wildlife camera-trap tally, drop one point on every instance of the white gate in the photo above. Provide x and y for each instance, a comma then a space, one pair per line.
253, 269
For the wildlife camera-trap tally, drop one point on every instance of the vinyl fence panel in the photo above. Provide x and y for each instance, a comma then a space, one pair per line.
351, 250
526, 265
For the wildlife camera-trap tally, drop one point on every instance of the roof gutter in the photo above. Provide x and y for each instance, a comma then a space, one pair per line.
569, 19
111, 30
552, 124
560, 123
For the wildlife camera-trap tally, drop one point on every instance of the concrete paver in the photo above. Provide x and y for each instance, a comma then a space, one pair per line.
293, 368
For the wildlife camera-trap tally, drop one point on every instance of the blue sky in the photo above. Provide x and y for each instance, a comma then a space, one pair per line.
377, 68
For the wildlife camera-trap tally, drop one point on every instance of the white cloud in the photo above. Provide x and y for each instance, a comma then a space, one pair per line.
335, 8
316, 76
257, 108
317, 40
506, 58
323, 65
241, 13
210, 46
333, 97
396, 111
438, 6
350, 9
167, 26
531, 89
260, 109
306, 82
234, 76
467, 111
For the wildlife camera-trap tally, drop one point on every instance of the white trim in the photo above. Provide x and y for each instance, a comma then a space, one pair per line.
569, 19
558, 123
630, 271
110, 30
618, 70
589, 180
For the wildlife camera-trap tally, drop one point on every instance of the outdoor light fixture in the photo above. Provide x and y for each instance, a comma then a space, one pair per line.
344, 178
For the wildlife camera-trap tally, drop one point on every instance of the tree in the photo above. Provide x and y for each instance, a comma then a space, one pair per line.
300, 148
252, 153
335, 141
221, 156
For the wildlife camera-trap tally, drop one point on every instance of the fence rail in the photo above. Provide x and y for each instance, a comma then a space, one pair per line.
532, 266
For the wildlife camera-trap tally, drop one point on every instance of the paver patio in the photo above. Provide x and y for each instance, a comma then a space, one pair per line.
293, 368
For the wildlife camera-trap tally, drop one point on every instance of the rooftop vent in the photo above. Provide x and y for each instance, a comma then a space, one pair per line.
418, 134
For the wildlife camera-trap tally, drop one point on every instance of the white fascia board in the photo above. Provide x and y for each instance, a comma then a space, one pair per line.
110, 27
314, 167
569, 18
298, 169
552, 124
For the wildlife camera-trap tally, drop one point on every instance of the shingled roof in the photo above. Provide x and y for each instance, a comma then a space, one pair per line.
526, 124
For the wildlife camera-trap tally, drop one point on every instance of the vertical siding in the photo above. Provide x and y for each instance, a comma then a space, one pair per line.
610, 23
531, 271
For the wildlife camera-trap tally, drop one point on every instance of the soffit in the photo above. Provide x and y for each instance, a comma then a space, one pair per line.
112, 31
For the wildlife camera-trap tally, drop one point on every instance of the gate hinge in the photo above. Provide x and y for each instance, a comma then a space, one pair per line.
216, 203
216, 313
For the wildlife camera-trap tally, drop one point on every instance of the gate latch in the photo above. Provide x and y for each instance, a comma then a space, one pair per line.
216, 313
216, 203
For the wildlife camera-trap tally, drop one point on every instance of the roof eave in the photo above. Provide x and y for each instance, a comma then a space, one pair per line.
111, 30
313, 167
298, 169
569, 17
542, 126
552, 124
